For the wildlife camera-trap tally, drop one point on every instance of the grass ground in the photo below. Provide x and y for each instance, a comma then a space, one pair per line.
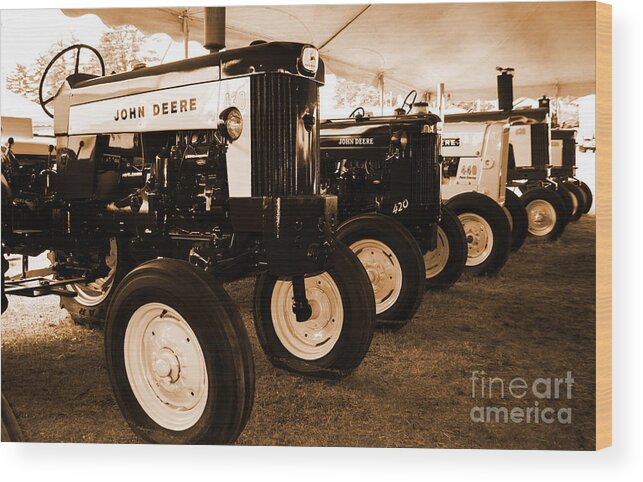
413, 389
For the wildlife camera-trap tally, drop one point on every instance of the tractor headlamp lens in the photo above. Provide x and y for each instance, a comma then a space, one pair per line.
310, 59
232, 124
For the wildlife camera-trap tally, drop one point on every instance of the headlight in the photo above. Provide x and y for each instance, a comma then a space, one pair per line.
309, 60
231, 123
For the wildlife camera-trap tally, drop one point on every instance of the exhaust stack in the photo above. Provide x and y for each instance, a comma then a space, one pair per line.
214, 29
505, 88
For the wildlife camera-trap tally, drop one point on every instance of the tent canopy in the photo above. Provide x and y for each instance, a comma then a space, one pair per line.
551, 45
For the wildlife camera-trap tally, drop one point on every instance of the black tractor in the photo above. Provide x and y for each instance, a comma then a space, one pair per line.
166, 181
385, 172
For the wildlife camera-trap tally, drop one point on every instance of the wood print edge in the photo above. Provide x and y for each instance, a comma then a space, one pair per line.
603, 225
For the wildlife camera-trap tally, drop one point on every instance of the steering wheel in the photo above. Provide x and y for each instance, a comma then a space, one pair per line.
359, 109
81, 76
406, 102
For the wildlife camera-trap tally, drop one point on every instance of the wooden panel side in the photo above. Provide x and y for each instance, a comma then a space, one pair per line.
603, 225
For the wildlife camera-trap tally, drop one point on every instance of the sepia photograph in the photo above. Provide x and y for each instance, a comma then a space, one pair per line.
347, 225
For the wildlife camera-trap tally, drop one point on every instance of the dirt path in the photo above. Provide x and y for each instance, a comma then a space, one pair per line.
414, 388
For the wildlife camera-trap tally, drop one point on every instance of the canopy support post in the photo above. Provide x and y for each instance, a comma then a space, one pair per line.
185, 27
441, 100
380, 81
556, 117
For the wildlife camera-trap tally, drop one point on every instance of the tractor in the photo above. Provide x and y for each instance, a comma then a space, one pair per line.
385, 172
475, 150
563, 170
538, 171
161, 184
474, 169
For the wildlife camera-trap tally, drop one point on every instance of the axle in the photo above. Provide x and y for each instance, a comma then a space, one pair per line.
300, 306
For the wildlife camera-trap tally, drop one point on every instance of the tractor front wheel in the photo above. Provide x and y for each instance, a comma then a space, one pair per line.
178, 356
569, 201
580, 200
519, 221
487, 231
546, 213
446, 263
334, 340
393, 261
589, 197
11, 431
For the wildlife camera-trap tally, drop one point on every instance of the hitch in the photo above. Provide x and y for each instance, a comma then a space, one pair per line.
300, 306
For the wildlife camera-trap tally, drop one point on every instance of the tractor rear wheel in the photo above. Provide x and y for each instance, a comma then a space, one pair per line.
446, 263
393, 261
487, 231
89, 306
546, 213
178, 355
336, 337
519, 221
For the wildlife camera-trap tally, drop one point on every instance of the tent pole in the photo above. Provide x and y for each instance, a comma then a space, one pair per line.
186, 31
557, 103
441, 106
380, 80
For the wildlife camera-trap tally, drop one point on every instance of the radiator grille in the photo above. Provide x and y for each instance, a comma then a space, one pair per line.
285, 155
569, 146
424, 155
539, 145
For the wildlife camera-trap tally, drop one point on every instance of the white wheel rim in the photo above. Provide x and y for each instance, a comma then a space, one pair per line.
165, 366
542, 217
383, 269
315, 338
574, 203
479, 238
94, 293
435, 261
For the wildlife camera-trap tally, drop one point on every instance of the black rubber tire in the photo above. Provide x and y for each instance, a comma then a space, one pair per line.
5, 268
215, 320
95, 315
11, 431
451, 227
581, 200
566, 196
401, 243
6, 214
553, 198
495, 216
357, 331
589, 197
519, 221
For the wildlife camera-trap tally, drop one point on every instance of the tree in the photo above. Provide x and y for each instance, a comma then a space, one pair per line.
350, 94
25, 80
120, 48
